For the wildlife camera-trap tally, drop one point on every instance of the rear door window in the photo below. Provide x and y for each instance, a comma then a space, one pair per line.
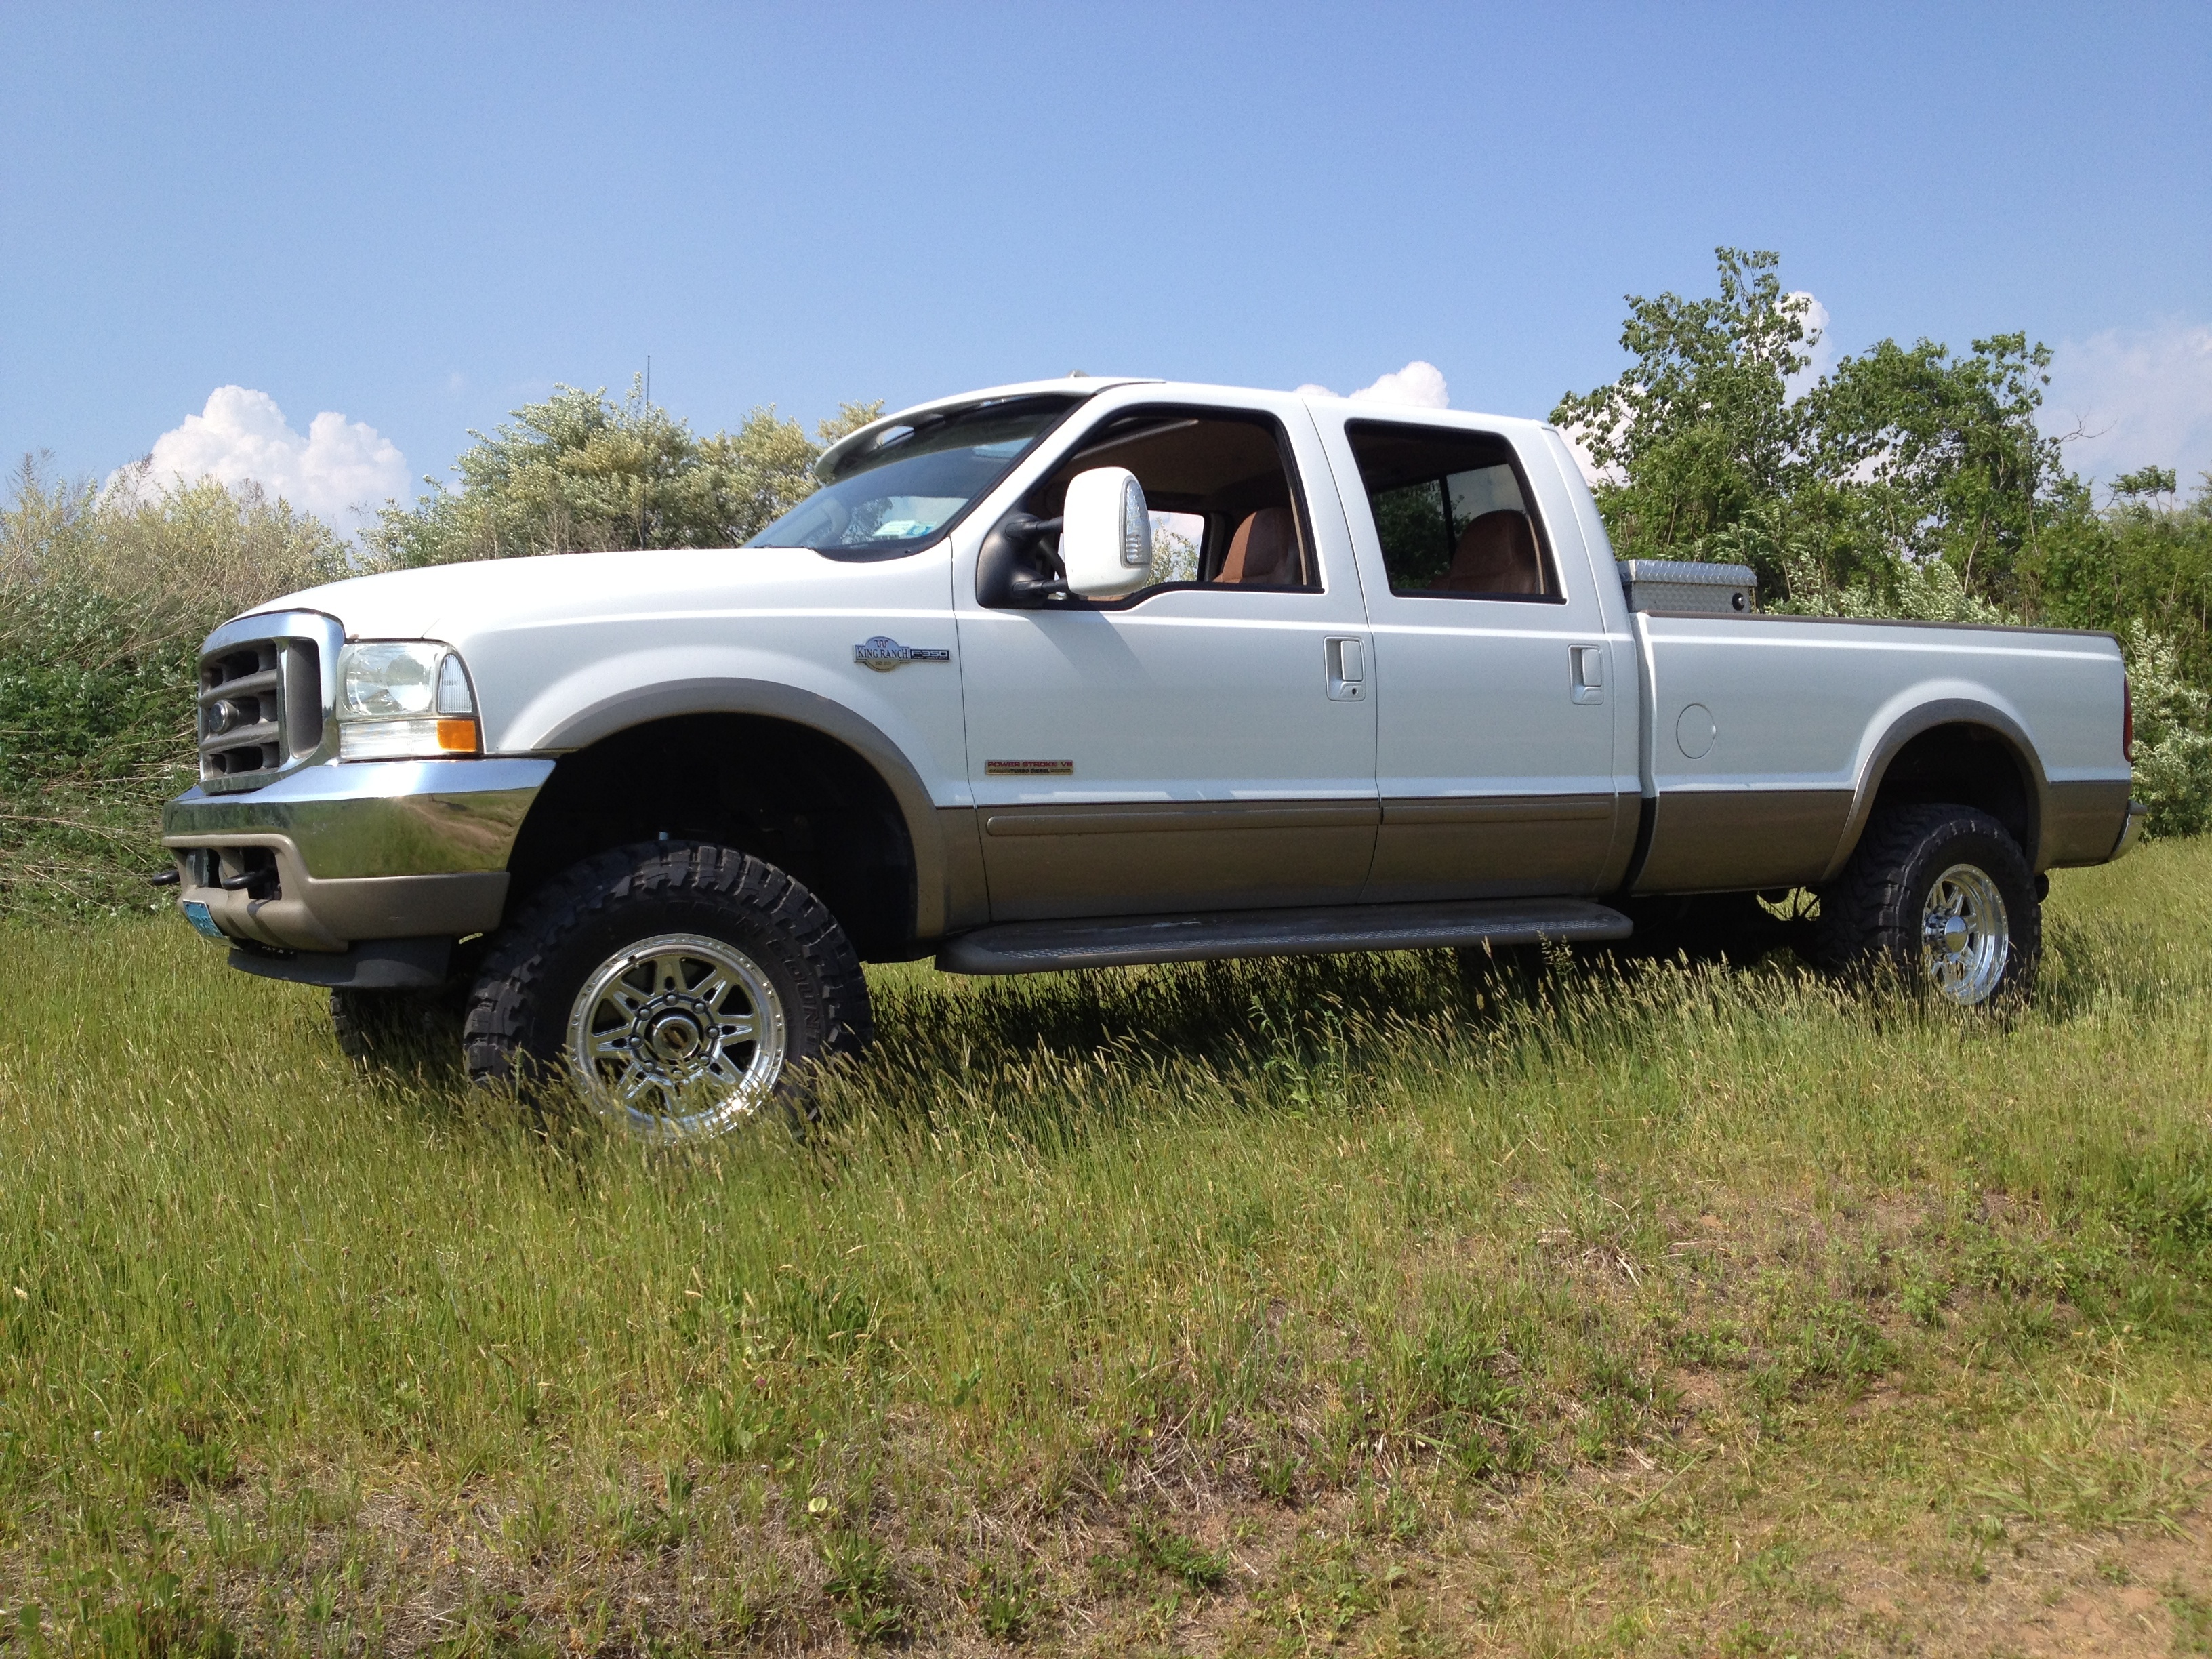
1452, 514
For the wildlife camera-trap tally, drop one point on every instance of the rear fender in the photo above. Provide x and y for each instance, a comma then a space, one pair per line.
1902, 728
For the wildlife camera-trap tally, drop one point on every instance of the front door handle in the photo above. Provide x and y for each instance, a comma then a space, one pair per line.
1347, 669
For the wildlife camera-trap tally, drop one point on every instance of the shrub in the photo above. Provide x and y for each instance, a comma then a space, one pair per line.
2174, 735
104, 596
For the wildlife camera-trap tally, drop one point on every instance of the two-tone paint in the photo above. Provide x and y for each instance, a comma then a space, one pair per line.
1196, 748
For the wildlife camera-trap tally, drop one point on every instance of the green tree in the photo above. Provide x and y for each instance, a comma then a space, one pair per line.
1700, 429
579, 472
2141, 559
1908, 481
1898, 455
2151, 481
1916, 453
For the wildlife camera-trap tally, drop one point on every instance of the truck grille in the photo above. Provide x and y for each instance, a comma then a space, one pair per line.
260, 707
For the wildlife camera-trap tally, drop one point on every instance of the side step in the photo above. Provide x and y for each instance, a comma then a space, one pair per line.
1039, 947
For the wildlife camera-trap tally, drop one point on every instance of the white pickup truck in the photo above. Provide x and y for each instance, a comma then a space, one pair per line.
1084, 672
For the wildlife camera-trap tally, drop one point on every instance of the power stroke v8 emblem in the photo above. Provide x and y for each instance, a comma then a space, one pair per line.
883, 654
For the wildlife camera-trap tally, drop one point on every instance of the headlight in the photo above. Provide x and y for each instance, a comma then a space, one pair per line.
403, 699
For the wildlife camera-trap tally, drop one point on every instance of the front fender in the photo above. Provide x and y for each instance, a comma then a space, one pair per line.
620, 711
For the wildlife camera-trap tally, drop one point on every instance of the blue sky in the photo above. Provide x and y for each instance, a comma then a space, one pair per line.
411, 219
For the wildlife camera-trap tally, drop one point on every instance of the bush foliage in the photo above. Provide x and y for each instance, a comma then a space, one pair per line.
106, 594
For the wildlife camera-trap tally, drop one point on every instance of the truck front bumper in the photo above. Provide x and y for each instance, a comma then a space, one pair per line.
346, 851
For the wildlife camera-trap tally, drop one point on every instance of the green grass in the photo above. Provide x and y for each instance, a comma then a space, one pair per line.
1249, 1309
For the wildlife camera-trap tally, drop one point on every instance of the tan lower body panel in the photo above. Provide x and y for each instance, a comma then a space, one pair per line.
1721, 841
967, 895
1497, 847
2082, 822
1084, 860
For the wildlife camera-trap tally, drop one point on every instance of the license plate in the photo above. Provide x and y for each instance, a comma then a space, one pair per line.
196, 912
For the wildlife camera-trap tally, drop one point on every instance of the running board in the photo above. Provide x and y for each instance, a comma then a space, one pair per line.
1039, 947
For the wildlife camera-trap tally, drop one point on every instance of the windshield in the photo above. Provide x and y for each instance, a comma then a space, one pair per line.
913, 484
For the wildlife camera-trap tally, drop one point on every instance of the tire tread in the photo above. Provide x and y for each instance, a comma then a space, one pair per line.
502, 1008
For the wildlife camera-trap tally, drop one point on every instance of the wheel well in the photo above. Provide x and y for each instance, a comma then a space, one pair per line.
1964, 765
784, 792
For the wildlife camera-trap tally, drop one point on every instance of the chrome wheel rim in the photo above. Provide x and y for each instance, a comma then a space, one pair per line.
1965, 937
678, 1037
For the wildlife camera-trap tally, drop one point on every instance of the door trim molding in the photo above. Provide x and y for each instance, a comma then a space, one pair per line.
1498, 809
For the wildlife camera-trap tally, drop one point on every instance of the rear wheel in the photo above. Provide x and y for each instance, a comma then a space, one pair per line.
1943, 897
679, 988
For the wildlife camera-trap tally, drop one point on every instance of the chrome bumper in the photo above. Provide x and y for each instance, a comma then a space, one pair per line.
393, 849
2131, 832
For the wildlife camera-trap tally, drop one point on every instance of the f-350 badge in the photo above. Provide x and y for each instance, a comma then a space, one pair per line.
883, 654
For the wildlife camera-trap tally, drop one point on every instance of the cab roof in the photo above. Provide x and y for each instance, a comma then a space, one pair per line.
1081, 387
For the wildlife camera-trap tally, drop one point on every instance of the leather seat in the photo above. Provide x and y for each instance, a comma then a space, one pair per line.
1496, 554
1264, 551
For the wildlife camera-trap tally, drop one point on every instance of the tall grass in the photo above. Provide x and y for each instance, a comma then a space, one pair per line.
1183, 1305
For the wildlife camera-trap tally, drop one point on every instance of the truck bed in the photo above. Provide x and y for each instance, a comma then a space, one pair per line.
1764, 736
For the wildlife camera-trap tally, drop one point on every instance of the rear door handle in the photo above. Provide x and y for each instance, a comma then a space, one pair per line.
1587, 663
1347, 669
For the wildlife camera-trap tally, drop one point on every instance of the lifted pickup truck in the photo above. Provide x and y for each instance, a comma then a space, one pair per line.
1084, 672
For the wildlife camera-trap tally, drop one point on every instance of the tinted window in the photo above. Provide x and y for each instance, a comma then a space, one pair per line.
1451, 514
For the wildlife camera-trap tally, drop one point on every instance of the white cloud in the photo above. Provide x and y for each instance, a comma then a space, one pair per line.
2137, 397
339, 470
1418, 386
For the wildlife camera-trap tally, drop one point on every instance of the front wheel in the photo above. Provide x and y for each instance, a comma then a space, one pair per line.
1943, 896
679, 988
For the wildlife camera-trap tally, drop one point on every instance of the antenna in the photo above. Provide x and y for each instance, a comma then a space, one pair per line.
648, 379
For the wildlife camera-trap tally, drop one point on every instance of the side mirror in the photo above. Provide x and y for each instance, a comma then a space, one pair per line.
1106, 534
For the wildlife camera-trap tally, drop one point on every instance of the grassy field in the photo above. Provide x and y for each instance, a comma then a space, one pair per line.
1265, 1309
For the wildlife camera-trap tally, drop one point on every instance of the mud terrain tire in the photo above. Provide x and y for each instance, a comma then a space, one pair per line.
1917, 871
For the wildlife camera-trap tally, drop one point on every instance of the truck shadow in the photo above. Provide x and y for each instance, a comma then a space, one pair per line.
1217, 1011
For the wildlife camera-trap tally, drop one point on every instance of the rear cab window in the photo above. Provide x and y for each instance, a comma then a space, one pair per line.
1453, 514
